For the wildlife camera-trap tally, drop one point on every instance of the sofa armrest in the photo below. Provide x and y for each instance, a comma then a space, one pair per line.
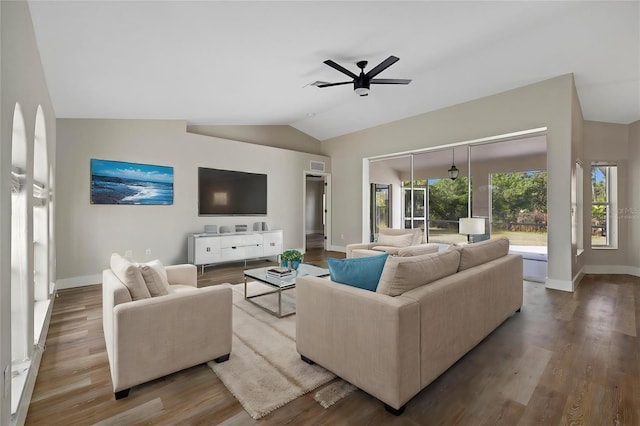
185, 274
351, 247
157, 336
369, 339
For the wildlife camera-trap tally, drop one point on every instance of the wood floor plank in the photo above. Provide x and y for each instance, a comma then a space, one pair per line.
566, 358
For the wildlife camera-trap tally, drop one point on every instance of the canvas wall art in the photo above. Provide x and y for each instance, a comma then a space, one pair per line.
118, 182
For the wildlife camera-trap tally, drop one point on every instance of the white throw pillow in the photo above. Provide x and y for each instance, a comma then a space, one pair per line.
129, 274
155, 277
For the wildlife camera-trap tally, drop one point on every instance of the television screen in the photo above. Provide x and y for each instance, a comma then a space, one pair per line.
227, 192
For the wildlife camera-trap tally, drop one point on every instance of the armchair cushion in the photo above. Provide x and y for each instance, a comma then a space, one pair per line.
401, 240
387, 249
155, 277
419, 249
131, 277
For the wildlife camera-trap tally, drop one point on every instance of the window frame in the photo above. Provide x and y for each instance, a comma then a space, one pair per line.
610, 204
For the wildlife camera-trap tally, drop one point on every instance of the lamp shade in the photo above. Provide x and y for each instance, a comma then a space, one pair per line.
471, 225
362, 91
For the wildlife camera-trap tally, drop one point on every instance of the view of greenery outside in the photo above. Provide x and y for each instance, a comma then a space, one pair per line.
447, 203
600, 204
519, 207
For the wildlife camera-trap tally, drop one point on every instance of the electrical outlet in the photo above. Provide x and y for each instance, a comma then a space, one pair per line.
148, 252
128, 254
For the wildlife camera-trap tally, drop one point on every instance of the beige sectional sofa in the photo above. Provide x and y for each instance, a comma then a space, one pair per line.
427, 312
149, 337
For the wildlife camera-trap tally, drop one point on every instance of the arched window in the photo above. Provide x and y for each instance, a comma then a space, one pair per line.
21, 299
40, 223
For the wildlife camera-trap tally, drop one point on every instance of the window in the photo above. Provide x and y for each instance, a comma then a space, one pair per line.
519, 207
439, 202
604, 193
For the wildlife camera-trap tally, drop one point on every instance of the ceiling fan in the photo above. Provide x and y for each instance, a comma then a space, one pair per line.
362, 82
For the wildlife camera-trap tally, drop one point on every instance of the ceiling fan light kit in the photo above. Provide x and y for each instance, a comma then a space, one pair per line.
362, 83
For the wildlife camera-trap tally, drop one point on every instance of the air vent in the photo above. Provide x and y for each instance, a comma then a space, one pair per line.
316, 166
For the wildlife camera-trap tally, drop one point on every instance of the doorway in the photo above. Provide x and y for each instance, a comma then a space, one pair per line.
315, 218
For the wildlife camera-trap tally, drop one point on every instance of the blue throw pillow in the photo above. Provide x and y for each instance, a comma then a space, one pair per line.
362, 272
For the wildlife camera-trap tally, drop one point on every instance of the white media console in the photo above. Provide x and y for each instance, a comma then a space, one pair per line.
209, 249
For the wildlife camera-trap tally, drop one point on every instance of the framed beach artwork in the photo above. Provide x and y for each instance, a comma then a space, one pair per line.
119, 182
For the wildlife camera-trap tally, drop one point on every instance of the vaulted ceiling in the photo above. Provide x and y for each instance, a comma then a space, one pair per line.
247, 63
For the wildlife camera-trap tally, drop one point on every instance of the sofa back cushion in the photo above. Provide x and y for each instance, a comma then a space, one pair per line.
402, 274
130, 275
485, 251
362, 272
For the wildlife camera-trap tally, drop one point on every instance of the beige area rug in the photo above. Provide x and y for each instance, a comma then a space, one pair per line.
265, 371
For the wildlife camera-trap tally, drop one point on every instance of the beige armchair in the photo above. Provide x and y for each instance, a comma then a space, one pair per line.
150, 337
396, 242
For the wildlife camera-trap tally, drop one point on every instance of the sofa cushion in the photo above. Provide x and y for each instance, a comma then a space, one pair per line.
362, 272
401, 240
485, 251
155, 277
402, 274
129, 274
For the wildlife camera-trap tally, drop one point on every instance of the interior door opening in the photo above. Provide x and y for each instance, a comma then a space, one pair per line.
315, 212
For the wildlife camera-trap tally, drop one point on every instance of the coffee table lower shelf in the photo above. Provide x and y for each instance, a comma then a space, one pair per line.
278, 313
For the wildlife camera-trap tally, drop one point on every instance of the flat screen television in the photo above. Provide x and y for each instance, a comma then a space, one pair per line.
229, 193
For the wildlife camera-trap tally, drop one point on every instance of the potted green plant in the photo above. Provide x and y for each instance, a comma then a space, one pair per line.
291, 258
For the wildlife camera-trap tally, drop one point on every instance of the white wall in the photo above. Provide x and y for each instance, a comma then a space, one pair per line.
545, 104
278, 136
22, 80
88, 234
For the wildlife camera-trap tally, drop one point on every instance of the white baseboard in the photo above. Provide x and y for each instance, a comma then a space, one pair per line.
78, 281
563, 285
611, 269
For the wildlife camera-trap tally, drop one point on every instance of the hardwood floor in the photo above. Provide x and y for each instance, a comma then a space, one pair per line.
567, 358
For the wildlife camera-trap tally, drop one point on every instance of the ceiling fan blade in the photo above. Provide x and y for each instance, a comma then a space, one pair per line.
317, 83
333, 84
390, 81
340, 68
382, 66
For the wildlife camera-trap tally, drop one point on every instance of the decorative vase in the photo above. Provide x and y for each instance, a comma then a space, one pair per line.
285, 263
295, 264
